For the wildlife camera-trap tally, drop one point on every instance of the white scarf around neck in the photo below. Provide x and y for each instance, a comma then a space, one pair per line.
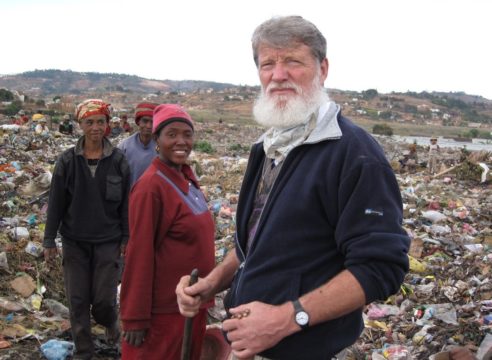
277, 143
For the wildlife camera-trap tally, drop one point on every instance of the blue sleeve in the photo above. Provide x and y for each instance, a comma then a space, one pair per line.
369, 231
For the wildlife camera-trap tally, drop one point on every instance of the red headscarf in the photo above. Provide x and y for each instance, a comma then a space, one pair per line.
92, 107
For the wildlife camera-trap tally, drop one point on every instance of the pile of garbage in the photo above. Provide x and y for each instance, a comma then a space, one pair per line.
446, 298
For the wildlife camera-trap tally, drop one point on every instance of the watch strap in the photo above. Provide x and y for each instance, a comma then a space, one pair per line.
297, 309
297, 306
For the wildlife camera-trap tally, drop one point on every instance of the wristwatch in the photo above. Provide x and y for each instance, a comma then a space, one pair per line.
300, 315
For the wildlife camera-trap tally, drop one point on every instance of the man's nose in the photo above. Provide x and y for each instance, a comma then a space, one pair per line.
279, 73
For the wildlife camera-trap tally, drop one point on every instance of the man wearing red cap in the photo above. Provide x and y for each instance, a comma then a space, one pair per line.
139, 148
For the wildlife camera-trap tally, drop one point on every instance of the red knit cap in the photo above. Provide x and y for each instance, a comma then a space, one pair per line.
165, 114
144, 109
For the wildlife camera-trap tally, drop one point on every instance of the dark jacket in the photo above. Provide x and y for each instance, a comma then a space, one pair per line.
86, 208
335, 205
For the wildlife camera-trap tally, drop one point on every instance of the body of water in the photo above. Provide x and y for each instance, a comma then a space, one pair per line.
475, 144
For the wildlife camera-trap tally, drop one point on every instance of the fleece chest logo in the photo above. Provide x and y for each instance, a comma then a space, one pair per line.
373, 212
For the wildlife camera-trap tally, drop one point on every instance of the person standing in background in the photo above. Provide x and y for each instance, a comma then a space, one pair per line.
125, 125
41, 128
140, 148
88, 205
434, 151
66, 126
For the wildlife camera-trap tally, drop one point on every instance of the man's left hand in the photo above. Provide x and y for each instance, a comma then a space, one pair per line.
256, 326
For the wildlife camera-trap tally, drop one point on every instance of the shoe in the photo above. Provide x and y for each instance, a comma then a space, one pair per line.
113, 333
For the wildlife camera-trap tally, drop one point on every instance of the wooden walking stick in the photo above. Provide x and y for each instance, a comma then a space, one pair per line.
186, 347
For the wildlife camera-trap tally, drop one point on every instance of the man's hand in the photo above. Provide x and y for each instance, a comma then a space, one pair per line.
190, 298
135, 337
50, 253
257, 326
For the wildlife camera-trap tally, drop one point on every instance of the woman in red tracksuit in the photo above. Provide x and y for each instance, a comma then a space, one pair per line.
171, 232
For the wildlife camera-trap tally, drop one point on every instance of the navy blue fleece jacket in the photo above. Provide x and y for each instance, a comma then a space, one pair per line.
335, 205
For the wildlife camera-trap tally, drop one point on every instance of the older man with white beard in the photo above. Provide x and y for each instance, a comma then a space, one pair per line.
319, 216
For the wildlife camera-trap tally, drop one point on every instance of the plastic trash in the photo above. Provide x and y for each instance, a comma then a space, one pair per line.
396, 352
378, 311
31, 219
485, 349
422, 336
56, 308
215, 206
9, 317
10, 305
434, 216
34, 248
416, 265
35, 301
4, 264
439, 229
19, 232
487, 319
57, 349
16, 165
486, 169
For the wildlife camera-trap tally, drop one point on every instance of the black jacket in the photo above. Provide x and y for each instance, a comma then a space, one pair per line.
86, 208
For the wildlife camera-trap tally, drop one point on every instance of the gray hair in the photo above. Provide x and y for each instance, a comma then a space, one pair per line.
286, 31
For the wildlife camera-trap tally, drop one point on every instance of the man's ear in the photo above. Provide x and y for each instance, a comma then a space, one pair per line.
324, 70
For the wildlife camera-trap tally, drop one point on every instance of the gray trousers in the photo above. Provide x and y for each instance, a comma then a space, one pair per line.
91, 278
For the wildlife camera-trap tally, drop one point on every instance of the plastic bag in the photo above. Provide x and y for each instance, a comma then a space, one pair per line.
57, 349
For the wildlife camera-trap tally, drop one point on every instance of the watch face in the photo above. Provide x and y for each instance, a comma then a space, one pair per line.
302, 318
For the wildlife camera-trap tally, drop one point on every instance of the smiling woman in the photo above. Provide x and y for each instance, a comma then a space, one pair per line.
171, 233
174, 135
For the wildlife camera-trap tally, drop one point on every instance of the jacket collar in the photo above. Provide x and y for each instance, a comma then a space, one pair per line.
327, 127
107, 147
175, 177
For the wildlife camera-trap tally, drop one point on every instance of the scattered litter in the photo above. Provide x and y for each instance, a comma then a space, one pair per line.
57, 349
445, 299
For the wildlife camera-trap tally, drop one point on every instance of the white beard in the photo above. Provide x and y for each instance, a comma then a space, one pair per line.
282, 112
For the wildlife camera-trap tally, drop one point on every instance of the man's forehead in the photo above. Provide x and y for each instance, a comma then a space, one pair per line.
267, 51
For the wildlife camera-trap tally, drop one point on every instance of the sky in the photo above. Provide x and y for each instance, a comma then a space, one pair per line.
387, 45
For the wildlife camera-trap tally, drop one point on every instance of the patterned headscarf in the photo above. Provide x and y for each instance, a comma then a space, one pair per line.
92, 107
